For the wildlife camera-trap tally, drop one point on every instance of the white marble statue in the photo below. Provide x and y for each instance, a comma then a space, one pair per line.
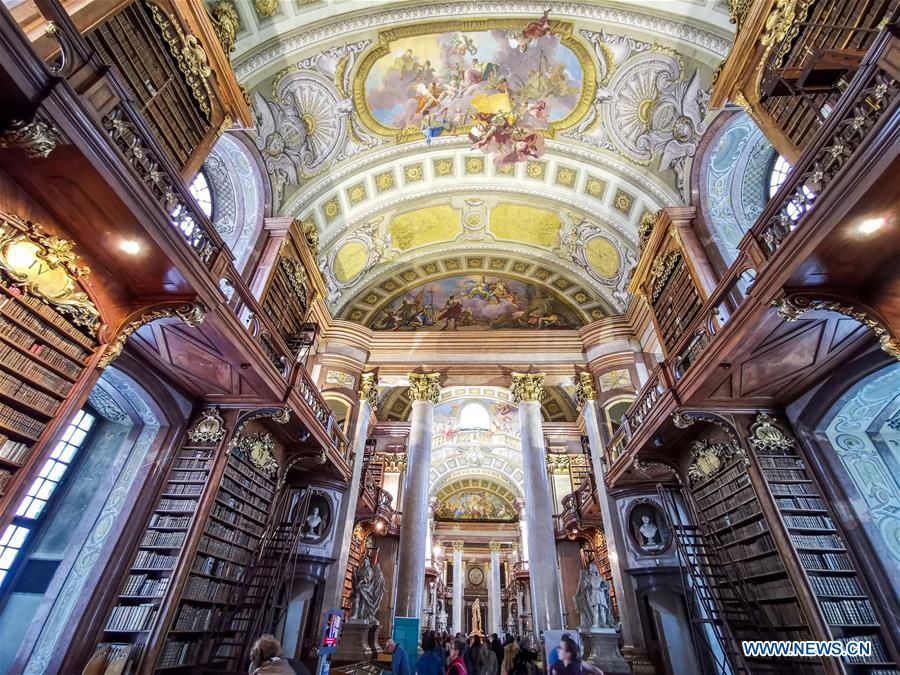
592, 600
650, 532
510, 624
442, 621
314, 524
367, 592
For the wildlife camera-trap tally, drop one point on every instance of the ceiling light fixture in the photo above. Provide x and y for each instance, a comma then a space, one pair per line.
130, 246
870, 225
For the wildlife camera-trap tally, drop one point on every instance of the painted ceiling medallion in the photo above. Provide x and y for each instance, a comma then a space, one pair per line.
504, 86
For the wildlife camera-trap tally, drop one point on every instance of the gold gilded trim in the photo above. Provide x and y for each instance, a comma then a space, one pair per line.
562, 28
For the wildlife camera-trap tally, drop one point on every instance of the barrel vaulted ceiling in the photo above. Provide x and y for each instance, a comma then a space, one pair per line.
364, 114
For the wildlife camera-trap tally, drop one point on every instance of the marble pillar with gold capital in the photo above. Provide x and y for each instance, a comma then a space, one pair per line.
424, 389
458, 585
544, 577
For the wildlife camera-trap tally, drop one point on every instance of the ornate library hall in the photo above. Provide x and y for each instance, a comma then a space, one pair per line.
450, 337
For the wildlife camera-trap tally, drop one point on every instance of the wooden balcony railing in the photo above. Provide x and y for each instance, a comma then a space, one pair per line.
520, 569
870, 102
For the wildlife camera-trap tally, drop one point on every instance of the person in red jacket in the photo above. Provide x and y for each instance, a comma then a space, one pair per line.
457, 663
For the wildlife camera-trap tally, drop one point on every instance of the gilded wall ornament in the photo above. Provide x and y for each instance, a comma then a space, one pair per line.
36, 138
191, 313
393, 462
47, 267
792, 307
259, 449
708, 458
226, 23
311, 234
766, 437
424, 387
266, 8
210, 428
557, 464
661, 270
645, 229
368, 389
615, 379
528, 387
296, 275
188, 54
681, 420
584, 389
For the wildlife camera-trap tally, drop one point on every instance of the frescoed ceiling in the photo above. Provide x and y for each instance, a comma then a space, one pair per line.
452, 149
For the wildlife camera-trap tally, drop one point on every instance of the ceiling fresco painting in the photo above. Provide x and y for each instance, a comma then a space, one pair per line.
416, 139
475, 505
504, 88
476, 302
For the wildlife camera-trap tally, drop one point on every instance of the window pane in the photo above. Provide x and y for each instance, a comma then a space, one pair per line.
199, 188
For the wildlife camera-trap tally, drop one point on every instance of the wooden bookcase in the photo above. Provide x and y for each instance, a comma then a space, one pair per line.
760, 601
42, 355
144, 591
676, 304
832, 577
205, 629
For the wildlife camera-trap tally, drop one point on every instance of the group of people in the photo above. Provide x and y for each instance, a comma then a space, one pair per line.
443, 654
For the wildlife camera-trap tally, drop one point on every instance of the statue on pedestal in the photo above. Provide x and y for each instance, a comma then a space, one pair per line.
367, 592
510, 624
592, 600
476, 618
442, 621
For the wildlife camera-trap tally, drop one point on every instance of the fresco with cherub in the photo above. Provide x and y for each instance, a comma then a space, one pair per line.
501, 87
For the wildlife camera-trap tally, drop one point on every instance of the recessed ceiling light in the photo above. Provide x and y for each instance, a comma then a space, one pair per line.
871, 225
130, 246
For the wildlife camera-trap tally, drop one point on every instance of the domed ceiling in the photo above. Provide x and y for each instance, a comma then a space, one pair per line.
473, 165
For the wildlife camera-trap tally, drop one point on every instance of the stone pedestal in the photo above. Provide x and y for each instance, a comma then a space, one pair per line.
601, 647
359, 642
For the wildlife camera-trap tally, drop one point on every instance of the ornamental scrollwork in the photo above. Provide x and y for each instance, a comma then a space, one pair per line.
557, 465
424, 387
766, 437
210, 428
188, 54
661, 271
296, 276
792, 307
528, 387
393, 462
226, 23
709, 457
191, 313
37, 138
47, 267
260, 451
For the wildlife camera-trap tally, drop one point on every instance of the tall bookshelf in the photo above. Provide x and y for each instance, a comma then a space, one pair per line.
142, 594
42, 355
841, 595
204, 629
759, 601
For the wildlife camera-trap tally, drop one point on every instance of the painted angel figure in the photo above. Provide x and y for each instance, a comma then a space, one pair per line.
535, 30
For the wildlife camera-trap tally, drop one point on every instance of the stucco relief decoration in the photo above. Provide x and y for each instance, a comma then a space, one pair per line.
504, 86
340, 378
309, 123
650, 108
615, 379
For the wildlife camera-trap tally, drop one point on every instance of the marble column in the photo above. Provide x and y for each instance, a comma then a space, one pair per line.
346, 517
632, 634
429, 553
494, 601
458, 584
544, 577
423, 392
523, 530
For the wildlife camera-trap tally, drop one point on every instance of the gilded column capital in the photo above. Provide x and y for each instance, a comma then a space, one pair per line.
368, 389
557, 465
584, 388
424, 387
458, 545
527, 387
494, 546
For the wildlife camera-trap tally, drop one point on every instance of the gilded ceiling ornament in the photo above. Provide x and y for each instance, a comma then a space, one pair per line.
368, 389
791, 307
47, 267
210, 428
766, 437
266, 8
424, 387
584, 388
260, 450
192, 314
189, 55
527, 387
36, 138
708, 458
226, 23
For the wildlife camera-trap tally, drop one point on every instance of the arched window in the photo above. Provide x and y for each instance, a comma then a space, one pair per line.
474, 416
778, 174
199, 188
